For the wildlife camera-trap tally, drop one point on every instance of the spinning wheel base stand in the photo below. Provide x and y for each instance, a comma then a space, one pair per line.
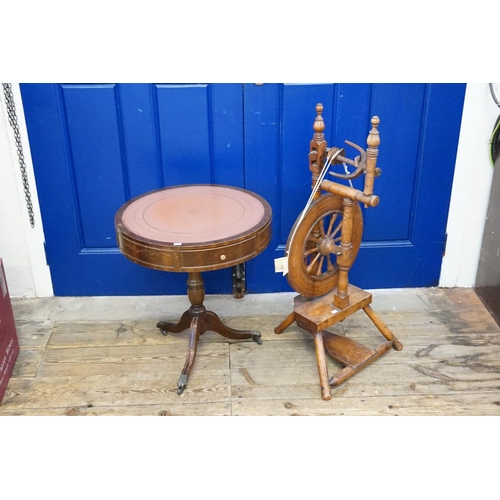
315, 315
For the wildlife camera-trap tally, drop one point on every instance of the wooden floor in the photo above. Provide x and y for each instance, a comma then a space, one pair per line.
450, 365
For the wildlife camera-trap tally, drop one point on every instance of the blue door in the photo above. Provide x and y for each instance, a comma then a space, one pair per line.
96, 146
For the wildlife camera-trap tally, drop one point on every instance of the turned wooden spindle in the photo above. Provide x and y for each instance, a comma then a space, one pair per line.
317, 148
345, 259
317, 155
373, 142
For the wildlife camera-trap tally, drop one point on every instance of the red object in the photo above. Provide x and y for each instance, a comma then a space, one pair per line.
9, 344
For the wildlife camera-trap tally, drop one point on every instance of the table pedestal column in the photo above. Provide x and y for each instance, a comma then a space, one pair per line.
198, 320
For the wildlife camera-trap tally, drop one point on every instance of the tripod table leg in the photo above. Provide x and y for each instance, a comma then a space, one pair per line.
194, 334
215, 324
180, 326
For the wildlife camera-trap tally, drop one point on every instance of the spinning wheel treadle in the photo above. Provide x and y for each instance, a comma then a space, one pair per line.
322, 247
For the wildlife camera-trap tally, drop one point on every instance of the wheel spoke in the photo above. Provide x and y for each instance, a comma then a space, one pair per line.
322, 228
330, 226
310, 251
319, 271
329, 264
337, 229
309, 268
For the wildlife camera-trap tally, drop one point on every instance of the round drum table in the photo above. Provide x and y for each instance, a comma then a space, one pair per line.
191, 229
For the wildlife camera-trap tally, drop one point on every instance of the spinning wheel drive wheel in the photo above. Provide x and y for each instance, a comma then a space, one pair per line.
313, 245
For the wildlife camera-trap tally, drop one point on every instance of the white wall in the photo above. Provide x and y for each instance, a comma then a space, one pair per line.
21, 247
471, 189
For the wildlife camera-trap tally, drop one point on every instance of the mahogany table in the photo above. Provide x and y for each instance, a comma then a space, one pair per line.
195, 228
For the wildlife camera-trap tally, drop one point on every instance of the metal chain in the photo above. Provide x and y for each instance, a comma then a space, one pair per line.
11, 110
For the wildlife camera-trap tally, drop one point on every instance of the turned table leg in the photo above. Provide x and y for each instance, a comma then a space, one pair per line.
194, 319
196, 295
199, 320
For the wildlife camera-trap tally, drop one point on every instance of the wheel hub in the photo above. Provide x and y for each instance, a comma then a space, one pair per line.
328, 246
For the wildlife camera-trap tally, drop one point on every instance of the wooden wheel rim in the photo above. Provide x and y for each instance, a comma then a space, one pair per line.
301, 279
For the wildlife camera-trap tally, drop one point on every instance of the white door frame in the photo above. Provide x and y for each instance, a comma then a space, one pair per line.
21, 246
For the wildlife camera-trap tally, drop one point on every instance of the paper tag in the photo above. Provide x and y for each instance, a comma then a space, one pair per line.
281, 265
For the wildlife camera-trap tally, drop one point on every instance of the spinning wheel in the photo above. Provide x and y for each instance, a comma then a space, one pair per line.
313, 256
322, 247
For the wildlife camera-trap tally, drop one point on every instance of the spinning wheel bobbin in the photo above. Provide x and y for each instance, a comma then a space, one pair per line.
321, 249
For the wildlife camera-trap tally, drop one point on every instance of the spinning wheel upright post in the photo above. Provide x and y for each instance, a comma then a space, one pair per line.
320, 251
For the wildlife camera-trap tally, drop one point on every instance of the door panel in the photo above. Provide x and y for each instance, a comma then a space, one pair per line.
403, 238
400, 108
97, 164
96, 146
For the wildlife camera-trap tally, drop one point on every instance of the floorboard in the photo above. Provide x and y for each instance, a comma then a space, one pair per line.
450, 365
